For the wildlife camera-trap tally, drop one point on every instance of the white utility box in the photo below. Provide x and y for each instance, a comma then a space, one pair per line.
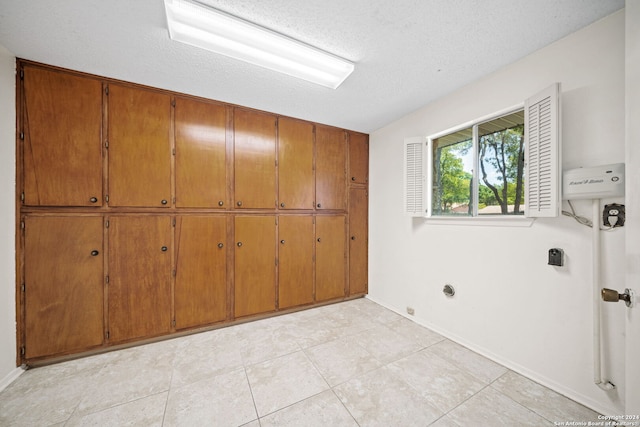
593, 183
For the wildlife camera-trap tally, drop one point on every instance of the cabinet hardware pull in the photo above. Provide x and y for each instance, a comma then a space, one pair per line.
318, 240
239, 203
282, 241
220, 203
164, 202
239, 244
319, 205
94, 253
282, 205
93, 199
353, 178
220, 245
164, 249
353, 237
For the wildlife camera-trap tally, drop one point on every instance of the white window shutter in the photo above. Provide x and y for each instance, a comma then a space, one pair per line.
542, 153
414, 176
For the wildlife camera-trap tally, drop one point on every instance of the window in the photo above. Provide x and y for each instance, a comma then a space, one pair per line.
506, 165
479, 170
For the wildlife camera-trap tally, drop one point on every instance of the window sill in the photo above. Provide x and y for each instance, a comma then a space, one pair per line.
489, 221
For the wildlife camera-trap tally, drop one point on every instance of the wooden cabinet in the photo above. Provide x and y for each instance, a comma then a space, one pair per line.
254, 159
255, 267
295, 164
139, 296
358, 236
201, 270
200, 130
62, 149
331, 168
139, 147
330, 257
148, 212
358, 158
295, 260
64, 284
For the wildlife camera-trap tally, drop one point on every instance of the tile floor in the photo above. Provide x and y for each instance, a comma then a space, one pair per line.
349, 364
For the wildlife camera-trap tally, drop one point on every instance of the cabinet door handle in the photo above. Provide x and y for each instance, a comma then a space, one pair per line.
220, 203
239, 244
282, 241
282, 205
319, 205
164, 202
353, 237
239, 203
94, 253
318, 240
93, 200
164, 249
220, 245
353, 178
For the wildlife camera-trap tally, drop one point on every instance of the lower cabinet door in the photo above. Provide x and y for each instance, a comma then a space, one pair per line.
64, 284
295, 260
201, 270
139, 296
255, 267
330, 257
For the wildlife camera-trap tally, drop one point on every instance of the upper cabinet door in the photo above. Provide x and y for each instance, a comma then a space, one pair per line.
295, 164
255, 159
139, 148
358, 158
200, 154
331, 167
62, 122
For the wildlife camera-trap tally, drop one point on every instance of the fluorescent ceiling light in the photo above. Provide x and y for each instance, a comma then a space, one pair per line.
194, 23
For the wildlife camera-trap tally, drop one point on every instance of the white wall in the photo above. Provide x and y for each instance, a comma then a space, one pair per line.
510, 305
7, 215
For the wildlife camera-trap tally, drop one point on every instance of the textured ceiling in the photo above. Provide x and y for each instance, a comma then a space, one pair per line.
407, 52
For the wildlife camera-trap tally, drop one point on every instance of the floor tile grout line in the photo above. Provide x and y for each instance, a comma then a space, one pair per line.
253, 399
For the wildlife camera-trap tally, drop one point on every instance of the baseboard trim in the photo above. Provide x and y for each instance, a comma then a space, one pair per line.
10, 377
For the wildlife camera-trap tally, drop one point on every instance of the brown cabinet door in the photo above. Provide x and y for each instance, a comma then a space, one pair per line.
62, 122
330, 257
331, 168
358, 237
140, 277
64, 284
139, 148
295, 260
255, 270
201, 270
255, 159
295, 164
358, 158
200, 129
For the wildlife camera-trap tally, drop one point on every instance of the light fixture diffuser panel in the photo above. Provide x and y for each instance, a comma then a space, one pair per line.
198, 25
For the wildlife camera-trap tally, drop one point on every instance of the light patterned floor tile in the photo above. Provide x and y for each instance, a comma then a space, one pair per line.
442, 383
491, 408
224, 400
379, 398
284, 381
386, 345
321, 410
546, 403
148, 412
340, 360
478, 366
415, 332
